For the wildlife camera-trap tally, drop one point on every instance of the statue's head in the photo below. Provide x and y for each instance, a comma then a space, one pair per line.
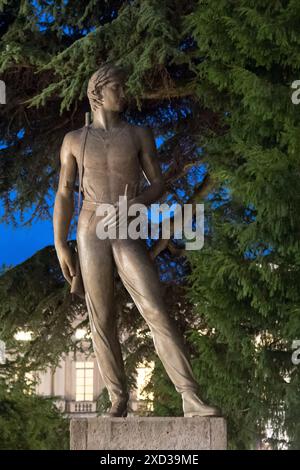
106, 88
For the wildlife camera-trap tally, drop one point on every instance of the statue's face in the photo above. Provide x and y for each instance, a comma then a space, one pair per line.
114, 96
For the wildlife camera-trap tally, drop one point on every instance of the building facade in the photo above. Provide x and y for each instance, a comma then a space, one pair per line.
77, 383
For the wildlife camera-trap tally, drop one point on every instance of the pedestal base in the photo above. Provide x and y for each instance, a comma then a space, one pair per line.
142, 433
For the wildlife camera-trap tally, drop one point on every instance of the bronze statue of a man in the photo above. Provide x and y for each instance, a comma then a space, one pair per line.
115, 154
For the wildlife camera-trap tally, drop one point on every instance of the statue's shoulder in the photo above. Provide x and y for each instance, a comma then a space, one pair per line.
75, 134
142, 131
73, 137
138, 134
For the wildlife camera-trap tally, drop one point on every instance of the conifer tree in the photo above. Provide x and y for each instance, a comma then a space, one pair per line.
245, 282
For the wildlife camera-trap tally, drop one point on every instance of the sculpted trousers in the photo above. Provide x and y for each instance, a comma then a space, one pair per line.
98, 260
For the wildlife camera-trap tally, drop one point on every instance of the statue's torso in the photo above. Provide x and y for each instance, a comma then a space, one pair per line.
110, 162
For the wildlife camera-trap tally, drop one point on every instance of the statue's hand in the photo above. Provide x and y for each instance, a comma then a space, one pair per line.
66, 260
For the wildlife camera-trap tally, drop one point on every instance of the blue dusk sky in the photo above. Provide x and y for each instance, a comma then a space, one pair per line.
20, 243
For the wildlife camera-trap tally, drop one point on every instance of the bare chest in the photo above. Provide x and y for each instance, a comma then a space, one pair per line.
111, 152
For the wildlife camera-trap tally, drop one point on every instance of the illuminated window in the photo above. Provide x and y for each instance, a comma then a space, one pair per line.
144, 373
84, 381
29, 379
80, 333
23, 335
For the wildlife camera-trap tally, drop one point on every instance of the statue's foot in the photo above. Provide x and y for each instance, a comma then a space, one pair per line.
193, 406
118, 408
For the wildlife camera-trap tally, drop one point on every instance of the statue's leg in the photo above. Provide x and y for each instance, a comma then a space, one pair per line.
140, 277
138, 273
97, 266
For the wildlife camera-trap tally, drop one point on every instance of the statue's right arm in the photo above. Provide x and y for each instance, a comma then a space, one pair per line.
64, 207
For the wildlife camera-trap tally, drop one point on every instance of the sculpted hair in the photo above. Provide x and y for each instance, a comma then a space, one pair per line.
105, 74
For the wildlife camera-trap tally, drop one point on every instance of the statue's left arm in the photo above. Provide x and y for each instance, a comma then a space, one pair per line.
150, 165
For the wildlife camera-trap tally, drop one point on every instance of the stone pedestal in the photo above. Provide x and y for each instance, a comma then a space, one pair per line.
142, 433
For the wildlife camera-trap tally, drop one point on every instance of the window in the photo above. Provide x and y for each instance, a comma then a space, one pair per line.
84, 381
